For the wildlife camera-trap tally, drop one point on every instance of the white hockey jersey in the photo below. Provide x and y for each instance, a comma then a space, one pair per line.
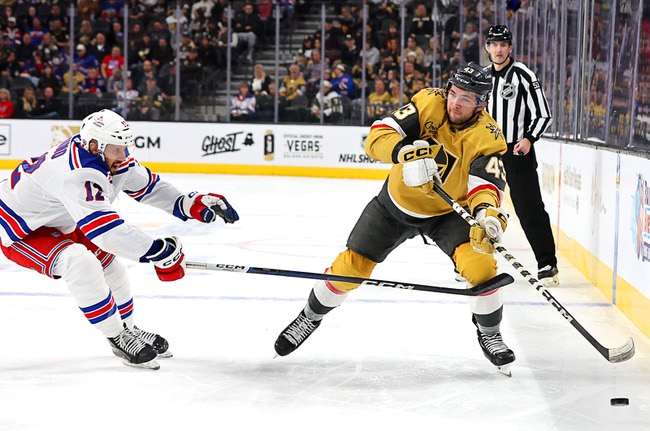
68, 187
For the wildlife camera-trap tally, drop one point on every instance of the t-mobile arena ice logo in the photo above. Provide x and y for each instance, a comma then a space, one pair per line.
5, 139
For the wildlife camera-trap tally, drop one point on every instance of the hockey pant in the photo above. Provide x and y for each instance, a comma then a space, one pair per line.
98, 282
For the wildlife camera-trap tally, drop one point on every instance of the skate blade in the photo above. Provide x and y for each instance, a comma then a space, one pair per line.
165, 355
504, 369
151, 365
550, 282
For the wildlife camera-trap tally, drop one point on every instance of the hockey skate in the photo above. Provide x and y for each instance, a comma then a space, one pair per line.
133, 351
295, 334
159, 344
548, 276
496, 350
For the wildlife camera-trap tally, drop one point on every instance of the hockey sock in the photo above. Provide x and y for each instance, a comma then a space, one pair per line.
487, 311
84, 277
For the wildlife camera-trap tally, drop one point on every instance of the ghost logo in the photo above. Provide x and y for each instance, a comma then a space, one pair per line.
508, 91
220, 144
248, 141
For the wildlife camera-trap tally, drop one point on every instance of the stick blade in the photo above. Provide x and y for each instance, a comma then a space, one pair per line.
622, 353
494, 283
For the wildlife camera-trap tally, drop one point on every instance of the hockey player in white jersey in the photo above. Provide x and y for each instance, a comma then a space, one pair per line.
56, 218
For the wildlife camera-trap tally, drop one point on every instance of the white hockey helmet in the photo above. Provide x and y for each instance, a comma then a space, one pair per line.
106, 127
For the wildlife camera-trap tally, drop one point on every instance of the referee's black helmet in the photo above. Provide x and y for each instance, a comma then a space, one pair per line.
498, 33
474, 78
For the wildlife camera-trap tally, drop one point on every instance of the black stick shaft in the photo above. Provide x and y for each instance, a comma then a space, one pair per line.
490, 285
618, 354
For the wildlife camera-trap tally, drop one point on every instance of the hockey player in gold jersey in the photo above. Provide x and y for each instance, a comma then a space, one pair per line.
443, 136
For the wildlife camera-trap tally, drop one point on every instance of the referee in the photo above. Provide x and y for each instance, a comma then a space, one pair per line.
519, 106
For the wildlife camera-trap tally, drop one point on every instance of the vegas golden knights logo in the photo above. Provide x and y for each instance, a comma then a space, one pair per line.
444, 159
269, 145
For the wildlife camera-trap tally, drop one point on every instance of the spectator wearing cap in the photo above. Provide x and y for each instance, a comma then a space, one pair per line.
248, 28
112, 62
411, 57
349, 52
412, 46
12, 33
342, 83
242, 104
327, 103
93, 83
84, 60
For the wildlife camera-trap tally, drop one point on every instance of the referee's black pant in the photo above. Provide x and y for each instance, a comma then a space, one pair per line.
521, 175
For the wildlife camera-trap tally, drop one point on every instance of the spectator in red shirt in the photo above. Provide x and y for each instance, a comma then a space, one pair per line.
6, 105
112, 62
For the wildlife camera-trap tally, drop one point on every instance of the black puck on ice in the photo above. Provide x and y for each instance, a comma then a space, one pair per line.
620, 401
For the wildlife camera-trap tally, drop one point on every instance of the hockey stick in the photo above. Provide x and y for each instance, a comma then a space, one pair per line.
494, 283
617, 354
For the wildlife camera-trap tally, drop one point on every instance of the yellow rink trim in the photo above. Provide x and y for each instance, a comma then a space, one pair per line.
290, 171
634, 304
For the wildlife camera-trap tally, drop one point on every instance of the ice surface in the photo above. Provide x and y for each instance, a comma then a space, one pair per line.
386, 359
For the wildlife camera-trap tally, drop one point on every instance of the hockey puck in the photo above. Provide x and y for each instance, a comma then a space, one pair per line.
620, 401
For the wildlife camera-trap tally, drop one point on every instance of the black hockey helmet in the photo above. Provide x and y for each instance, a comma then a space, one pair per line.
498, 33
474, 78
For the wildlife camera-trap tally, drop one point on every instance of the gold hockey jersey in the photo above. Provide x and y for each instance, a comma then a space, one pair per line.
469, 159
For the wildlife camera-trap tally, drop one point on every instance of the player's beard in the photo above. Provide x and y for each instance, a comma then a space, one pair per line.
462, 122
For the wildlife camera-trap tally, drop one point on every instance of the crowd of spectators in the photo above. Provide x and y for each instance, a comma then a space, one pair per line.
35, 51
428, 57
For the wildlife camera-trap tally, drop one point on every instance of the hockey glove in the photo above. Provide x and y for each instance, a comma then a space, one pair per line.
206, 208
169, 260
420, 169
492, 223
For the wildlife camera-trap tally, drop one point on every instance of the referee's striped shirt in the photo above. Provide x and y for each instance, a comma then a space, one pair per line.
518, 104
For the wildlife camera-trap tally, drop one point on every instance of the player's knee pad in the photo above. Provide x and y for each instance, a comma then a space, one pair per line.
351, 264
81, 271
474, 266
